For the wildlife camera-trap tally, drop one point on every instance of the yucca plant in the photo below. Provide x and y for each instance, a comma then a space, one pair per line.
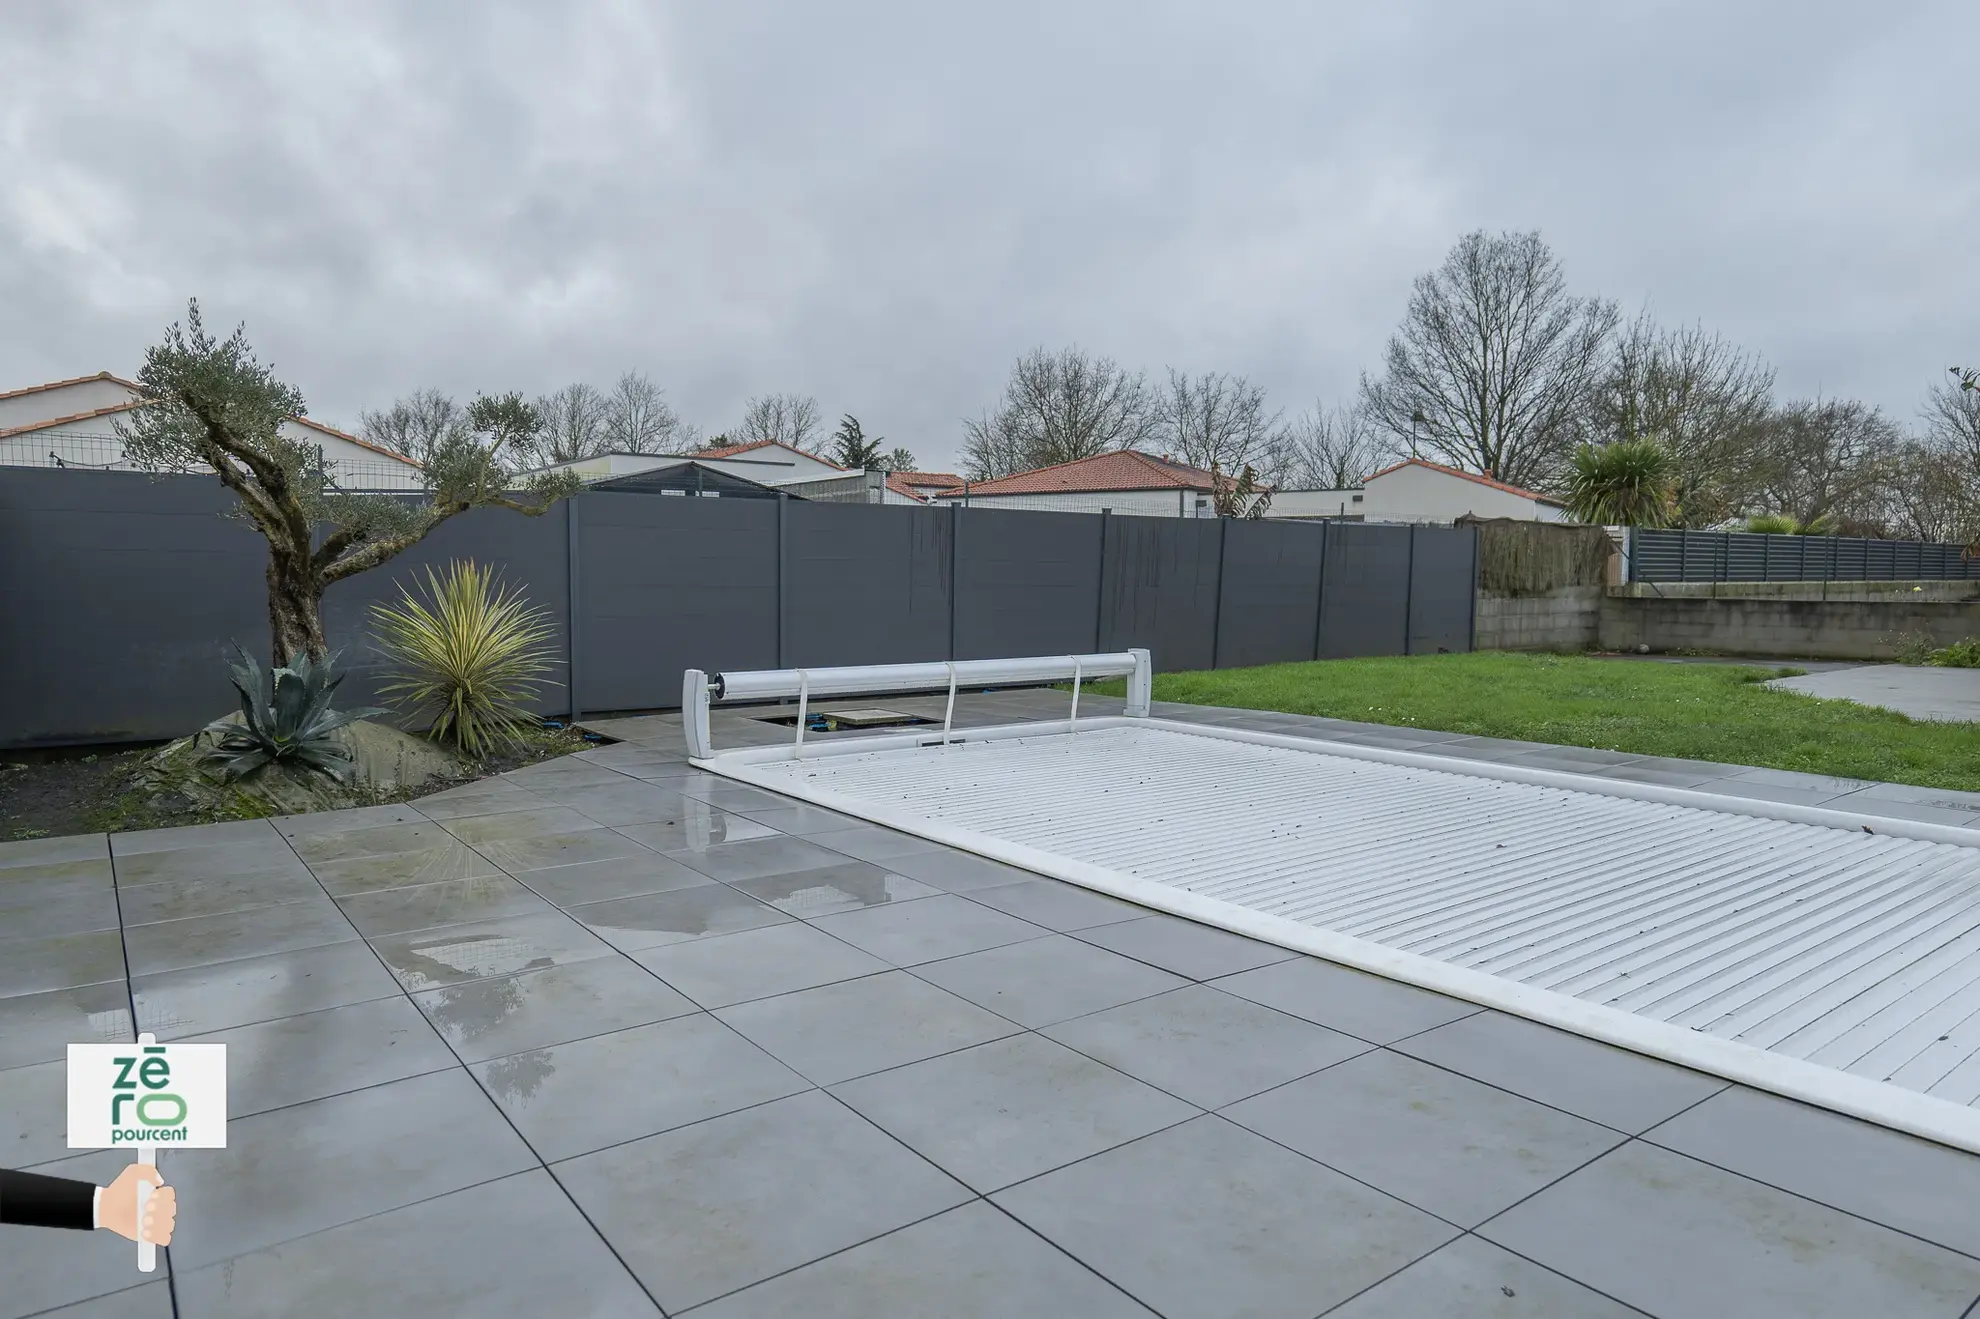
467, 654
285, 718
1787, 524
1630, 483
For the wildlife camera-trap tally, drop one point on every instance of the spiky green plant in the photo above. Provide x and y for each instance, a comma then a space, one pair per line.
466, 653
285, 718
1630, 483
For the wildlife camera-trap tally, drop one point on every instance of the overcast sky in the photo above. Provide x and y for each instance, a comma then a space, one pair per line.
882, 204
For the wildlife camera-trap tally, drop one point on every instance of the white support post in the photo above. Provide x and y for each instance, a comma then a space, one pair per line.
1141, 685
1072, 720
804, 705
949, 712
694, 713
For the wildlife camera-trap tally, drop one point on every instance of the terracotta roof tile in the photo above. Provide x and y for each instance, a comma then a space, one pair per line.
945, 480
91, 415
731, 450
1124, 469
63, 384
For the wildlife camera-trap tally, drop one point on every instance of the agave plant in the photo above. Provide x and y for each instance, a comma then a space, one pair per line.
467, 653
285, 717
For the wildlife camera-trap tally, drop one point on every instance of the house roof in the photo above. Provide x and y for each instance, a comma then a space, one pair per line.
942, 480
732, 450
64, 384
1124, 469
899, 486
348, 438
1473, 477
32, 426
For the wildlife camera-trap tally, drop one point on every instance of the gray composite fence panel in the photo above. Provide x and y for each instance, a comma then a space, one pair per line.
1364, 596
1740, 556
1025, 582
1440, 588
1159, 589
1271, 584
669, 584
865, 584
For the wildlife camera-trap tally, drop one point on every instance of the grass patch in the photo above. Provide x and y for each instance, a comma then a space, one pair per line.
1713, 712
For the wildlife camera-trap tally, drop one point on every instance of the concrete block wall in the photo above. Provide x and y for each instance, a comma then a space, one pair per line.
1845, 629
1566, 618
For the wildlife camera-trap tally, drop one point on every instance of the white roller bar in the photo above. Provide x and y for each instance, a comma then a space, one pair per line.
699, 690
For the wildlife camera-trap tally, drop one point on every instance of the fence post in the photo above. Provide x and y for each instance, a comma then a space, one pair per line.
571, 594
1217, 614
1100, 585
1409, 592
1477, 571
955, 553
1320, 587
783, 516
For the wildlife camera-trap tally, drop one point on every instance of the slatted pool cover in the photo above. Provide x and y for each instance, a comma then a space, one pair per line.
1850, 949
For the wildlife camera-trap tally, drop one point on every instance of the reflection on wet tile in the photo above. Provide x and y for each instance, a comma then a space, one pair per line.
177, 900
455, 954
615, 877
532, 823
509, 1014
807, 893
456, 902
594, 843
30, 966
696, 827
655, 919
169, 945
208, 998
37, 1028
426, 865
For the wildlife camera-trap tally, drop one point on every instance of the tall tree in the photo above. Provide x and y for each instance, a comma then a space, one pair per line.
1492, 364
1216, 420
1057, 407
638, 419
572, 422
1704, 400
1333, 448
898, 459
211, 402
850, 447
1826, 459
783, 419
1932, 494
1952, 420
414, 425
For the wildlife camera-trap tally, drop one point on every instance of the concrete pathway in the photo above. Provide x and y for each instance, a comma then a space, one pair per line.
1950, 695
609, 1036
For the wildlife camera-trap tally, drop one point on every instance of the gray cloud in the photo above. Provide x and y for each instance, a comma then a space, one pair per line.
882, 204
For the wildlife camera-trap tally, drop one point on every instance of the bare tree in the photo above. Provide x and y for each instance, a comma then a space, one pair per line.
1333, 448
783, 419
573, 425
638, 419
1491, 366
1931, 494
1952, 421
414, 425
1825, 461
1058, 407
1704, 400
1216, 420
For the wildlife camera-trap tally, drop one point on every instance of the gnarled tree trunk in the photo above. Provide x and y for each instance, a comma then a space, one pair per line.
295, 606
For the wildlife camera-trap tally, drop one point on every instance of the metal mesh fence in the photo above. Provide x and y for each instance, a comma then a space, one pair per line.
105, 453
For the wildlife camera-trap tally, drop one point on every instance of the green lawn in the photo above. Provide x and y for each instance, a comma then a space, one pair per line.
1696, 711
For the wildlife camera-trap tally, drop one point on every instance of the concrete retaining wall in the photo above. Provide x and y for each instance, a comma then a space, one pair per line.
1565, 618
1812, 620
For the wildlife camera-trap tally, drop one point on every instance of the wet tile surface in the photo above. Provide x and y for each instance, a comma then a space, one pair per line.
455, 954
778, 959
653, 920
485, 1019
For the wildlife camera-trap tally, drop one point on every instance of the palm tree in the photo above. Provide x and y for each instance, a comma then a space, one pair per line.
1630, 483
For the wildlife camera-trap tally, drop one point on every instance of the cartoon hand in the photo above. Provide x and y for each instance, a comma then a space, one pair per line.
118, 1208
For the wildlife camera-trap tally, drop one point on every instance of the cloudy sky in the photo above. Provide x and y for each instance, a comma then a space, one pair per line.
883, 203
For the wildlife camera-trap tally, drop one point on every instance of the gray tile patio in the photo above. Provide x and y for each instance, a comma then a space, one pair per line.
612, 1037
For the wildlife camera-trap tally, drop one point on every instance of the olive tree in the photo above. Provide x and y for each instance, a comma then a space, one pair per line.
211, 403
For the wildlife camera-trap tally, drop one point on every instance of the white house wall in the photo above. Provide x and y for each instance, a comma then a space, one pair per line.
65, 401
1423, 494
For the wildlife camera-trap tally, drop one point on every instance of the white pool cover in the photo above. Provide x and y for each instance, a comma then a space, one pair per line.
1828, 957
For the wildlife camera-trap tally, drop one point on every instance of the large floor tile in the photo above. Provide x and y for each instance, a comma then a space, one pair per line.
71, 909
26, 886
456, 954
292, 1060
1608, 1085
955, 872
473, 800
54, 851
801, 820
533, 823
183, 899
1186, 948
570, 1099
37, 965
423, 865
970, 1263
40, 1270
626, 802
1204, 1045
869, 842
413, 833
38, 1028
733, 796
294, 1171
34, 1114
270, 856
1042, 981
1475, 1279
563, 772
138, 842
316, 824
654, 920
754, 857
150, 1300
1898, 1180
512, 1249
1206, 1220
1058, 906
909, 933
1011, 1109
175, 1004
452, 902
1441, 1141
695, 828
713, 1207
839, 1031
1340, 997
849, 886
230, 936
1681, 1239
532, 852
777, 959
512, 1014
614, 877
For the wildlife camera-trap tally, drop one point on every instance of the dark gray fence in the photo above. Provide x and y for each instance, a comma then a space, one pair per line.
1738, 556
119, 592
